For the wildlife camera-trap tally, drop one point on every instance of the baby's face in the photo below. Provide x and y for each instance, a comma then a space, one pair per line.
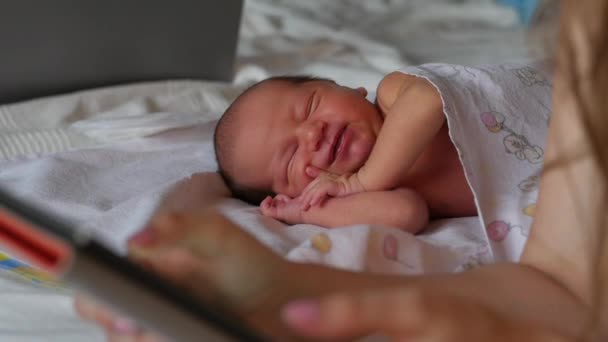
287, 127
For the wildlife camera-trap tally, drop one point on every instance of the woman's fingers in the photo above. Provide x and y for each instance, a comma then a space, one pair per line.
406, 315
212, 258
112, 323
202, 232
339, 316
401, 314
92, 311
181, 266
161, 229
142, 336
117, 328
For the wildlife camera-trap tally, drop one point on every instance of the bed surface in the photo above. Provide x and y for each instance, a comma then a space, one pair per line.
84, 154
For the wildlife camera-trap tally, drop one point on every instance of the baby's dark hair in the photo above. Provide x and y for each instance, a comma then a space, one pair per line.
224, 142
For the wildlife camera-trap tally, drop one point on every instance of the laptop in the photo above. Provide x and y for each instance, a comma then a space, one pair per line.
58, 46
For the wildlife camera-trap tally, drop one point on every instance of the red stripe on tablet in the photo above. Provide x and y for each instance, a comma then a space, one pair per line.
33, 245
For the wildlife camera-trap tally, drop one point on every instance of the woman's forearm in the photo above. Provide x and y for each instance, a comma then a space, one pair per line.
516, 291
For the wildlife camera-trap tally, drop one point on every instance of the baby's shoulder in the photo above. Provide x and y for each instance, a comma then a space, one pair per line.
397, 83
391, 86
392, 83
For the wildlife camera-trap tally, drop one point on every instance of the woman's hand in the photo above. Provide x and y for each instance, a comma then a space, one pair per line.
208, 255
117, 328
211, 258
327, 184
406, 315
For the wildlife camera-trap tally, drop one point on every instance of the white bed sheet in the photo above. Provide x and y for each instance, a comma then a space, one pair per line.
84, 154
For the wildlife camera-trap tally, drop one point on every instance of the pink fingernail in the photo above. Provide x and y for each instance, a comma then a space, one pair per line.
144, 238
124, 326
301, 312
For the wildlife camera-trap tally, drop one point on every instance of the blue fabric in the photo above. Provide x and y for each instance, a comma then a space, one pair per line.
525, 8
10, 264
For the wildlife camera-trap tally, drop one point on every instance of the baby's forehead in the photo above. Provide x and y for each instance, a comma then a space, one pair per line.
257, 109
264, 102
274, 85
269, 96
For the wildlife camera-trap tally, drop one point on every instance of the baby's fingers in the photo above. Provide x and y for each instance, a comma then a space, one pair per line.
282, 198
275, 207
319, 196
267, 207
309, 195
313, 172
322, 191
349, 315
266, 202
305, 196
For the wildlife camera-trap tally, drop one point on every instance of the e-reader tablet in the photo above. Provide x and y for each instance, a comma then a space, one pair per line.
59, 247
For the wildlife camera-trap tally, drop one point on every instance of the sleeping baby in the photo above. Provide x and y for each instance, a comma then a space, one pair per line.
309, 150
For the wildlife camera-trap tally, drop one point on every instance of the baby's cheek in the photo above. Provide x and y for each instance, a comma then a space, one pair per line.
359, 153
294, 188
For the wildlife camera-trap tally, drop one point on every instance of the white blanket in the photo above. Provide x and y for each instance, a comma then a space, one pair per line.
113, 189
91, 157
498, 116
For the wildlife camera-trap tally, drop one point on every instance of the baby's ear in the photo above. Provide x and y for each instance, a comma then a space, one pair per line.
362, 91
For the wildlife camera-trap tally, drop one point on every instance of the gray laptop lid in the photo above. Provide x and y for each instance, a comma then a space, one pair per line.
55, 46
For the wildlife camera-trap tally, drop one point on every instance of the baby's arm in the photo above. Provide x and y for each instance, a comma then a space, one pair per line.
413, 117
401, 208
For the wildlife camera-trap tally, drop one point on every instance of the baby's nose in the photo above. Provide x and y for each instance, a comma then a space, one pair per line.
313, 135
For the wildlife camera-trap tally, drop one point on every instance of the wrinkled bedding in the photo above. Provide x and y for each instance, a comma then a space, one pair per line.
104, 158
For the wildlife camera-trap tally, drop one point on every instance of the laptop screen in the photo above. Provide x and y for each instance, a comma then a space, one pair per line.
51, 47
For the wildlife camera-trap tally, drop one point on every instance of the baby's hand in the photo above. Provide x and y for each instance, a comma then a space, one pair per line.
327, 184
283, 208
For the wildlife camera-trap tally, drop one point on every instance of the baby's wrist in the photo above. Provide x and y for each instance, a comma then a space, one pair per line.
356, 183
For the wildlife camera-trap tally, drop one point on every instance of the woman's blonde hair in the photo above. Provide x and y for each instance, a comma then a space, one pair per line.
582, 61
